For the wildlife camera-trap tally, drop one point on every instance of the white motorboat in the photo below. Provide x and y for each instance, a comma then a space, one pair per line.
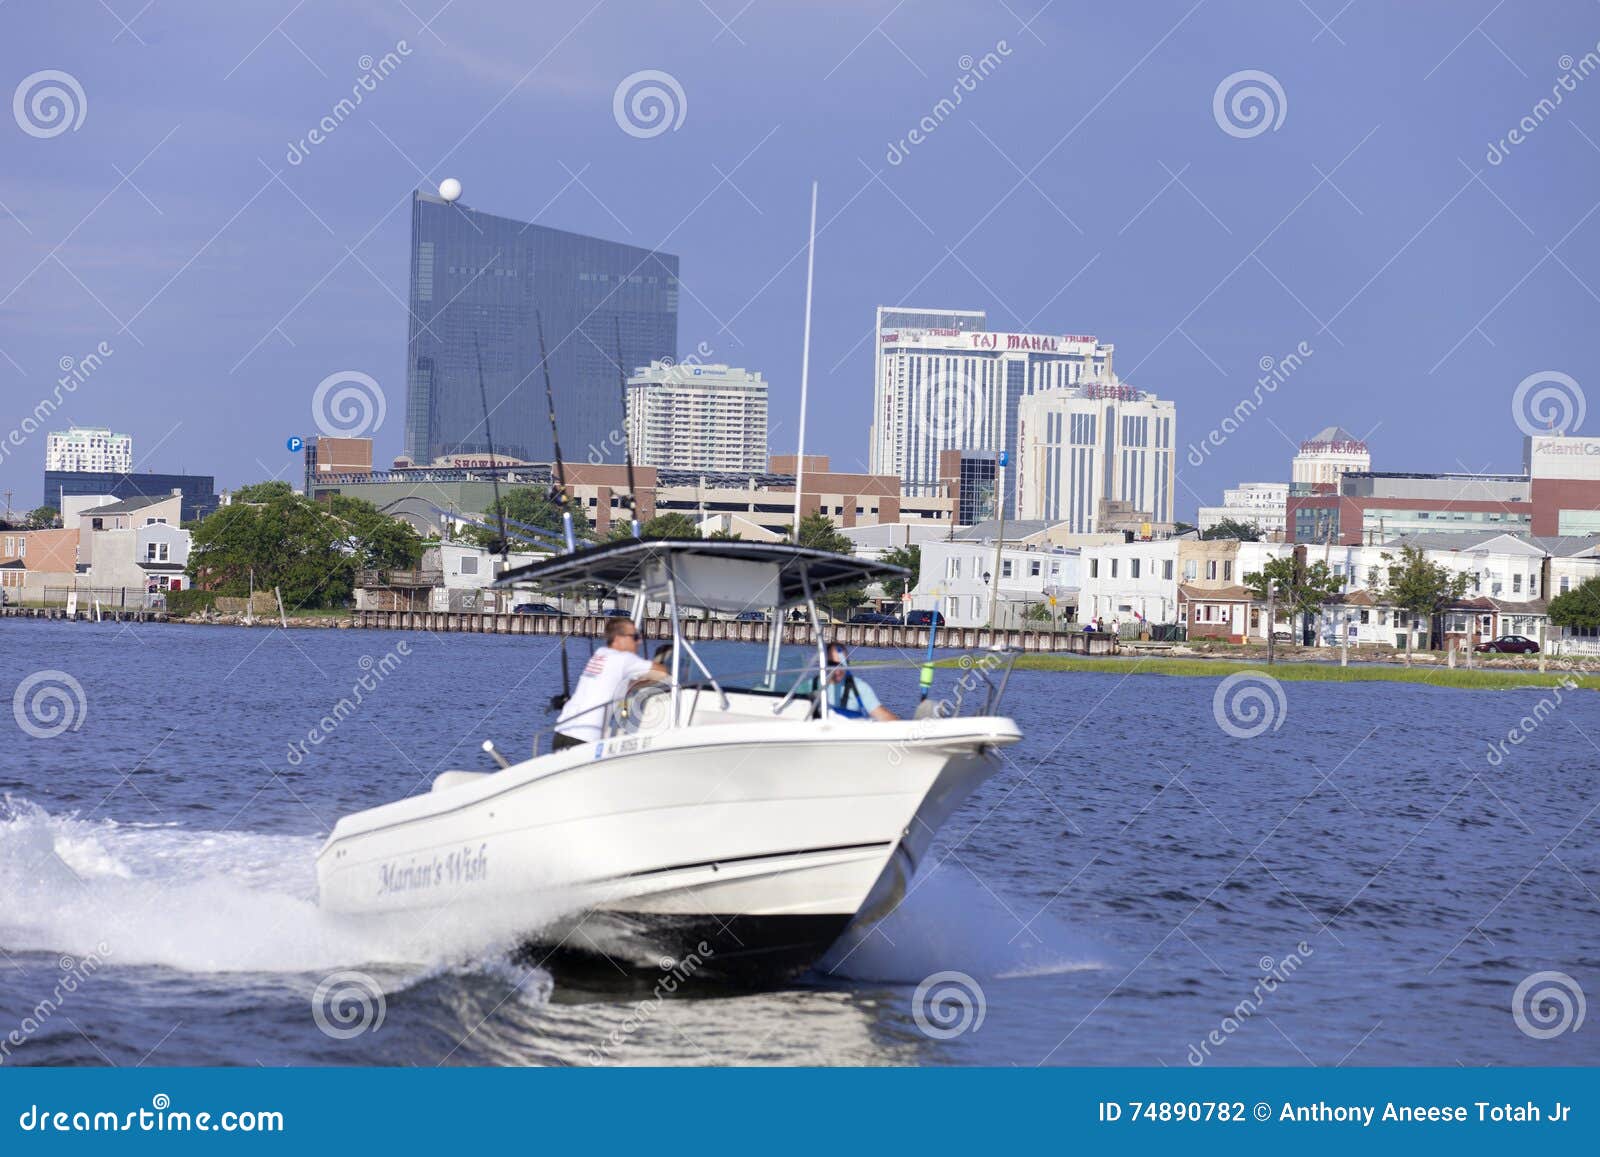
740, 823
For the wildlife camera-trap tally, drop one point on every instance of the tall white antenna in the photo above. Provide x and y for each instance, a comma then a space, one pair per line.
805, 366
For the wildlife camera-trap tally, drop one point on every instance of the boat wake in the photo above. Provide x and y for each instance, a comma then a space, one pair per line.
224, 902
217, 902
949, 922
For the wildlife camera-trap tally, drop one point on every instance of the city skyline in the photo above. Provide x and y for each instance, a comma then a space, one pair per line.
230, 263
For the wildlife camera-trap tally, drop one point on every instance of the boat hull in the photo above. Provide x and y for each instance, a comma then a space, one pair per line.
760, 841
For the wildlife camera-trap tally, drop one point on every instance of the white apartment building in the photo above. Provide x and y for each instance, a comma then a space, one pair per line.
947, 388
1328, 455
1127, 581
1260, 503
698, 417
957, 579
88, 448
1084, 444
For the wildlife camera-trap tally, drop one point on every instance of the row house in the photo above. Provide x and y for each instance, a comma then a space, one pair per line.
957, 578
33, 562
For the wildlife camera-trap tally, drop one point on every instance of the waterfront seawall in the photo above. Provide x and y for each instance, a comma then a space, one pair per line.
726, 630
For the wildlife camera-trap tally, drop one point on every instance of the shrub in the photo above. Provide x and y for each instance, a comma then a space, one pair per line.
189, 602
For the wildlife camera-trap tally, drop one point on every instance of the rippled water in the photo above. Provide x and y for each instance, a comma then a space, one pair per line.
1114, 895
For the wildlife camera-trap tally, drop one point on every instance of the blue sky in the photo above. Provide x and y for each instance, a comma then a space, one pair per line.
1084, 185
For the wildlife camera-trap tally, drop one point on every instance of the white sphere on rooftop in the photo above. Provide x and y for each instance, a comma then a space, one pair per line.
449, 188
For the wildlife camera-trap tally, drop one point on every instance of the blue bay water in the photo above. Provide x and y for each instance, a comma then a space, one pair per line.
1116, 895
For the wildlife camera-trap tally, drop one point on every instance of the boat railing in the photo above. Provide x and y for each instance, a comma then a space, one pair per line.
978, 684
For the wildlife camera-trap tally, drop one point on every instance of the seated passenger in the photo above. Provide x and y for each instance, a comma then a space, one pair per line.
848, 695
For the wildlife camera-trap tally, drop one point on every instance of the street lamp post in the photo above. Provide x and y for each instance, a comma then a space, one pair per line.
999, 538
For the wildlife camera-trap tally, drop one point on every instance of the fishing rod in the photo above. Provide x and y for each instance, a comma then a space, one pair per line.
627, 438
560, 494
494, 474
558, 700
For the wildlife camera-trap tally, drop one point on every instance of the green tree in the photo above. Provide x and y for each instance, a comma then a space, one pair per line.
1579, 607
1295, 589
817, 532
527, 505
372, 538
671, 525
276, 538
1233, 528
43, 518
1419, 587
909, 557
263, 492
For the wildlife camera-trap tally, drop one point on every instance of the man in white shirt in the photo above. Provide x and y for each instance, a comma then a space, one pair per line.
607, 677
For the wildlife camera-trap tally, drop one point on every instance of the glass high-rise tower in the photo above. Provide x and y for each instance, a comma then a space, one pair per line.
478, 276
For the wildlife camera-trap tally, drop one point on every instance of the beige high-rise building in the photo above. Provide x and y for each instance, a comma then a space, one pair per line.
1085, 449
696, 417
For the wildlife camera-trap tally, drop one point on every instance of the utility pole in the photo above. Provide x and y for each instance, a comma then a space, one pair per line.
1272, 617
999, 540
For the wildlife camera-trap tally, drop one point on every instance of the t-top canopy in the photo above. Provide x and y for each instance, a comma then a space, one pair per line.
716, 574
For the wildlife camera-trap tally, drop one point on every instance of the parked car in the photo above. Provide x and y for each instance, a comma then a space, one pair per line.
537, 609
876, 618
750, 617
615, 613
924, 619
1508, 645
1283, 636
